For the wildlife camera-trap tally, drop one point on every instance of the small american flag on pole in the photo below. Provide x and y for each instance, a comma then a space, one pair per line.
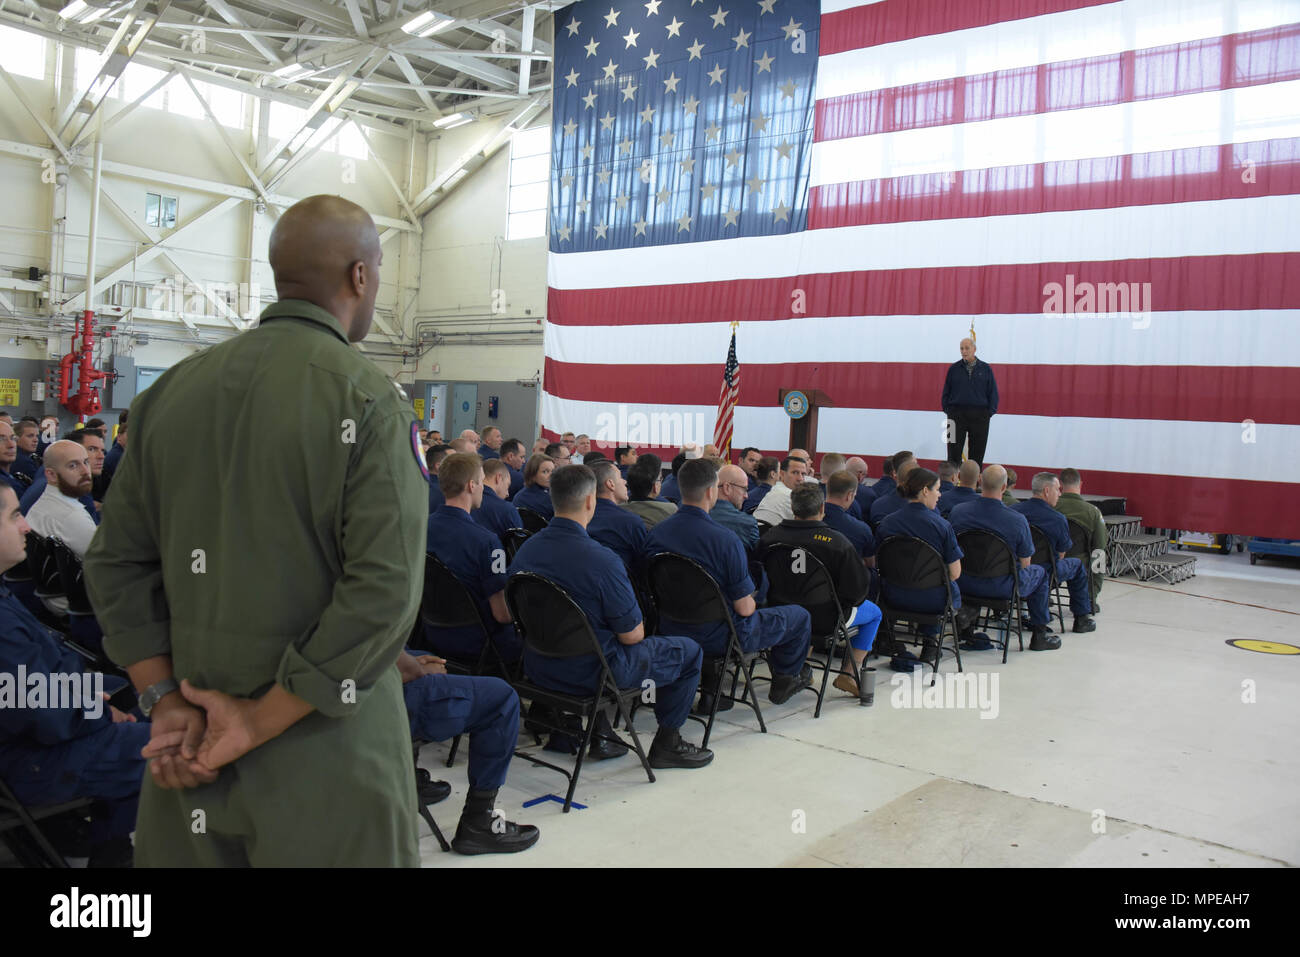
728, 398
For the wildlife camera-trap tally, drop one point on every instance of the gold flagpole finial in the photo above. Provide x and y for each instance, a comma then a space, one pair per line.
734, 324
972, 330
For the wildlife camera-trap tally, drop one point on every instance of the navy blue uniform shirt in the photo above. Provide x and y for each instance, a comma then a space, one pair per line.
25, 464
476, 557
486, 453
496, 514
435, 493
857, 532
620, 531
1052, 522
516, 481
14, 482
959, 495
596, 579
1004, 522
536, 498
885, 505
691, 532
111, 459
754, 497
669, 491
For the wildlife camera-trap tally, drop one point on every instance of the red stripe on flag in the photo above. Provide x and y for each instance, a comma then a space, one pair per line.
1257, 281
1171, 393
1276, 172
895, 20
1152, 73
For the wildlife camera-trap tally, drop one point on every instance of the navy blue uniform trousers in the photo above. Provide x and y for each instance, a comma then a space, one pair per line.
440, 707
786, 630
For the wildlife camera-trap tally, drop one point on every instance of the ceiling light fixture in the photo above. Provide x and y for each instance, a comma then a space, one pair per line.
452, 120
426, 24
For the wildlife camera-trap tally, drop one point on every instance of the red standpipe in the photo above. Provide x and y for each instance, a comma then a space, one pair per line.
86, 401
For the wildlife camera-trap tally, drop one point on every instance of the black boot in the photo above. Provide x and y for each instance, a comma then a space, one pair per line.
602, 749
1042, 641
785, 687
483, 830
1083, 624
708, 676
430, 791
670, 750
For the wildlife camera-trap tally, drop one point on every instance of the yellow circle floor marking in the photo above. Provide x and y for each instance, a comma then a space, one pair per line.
1266, 647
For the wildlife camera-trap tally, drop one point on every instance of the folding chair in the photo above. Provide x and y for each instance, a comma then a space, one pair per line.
512, 538
1045, 555
683, 591
420, 801
45, 573
447, 603
35, 850
907, 562
1081, 546
987, 556
813, 589
83, 627
552, 625
534, 522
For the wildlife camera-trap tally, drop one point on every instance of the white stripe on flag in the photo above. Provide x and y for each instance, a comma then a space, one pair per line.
1179, 122
1050, 38
1250, 338
1208, 449
1217, 227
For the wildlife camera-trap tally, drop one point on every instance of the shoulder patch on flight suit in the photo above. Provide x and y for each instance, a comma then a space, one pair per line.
418, 451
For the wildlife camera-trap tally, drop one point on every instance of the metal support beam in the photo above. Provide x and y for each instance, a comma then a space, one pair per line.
225, 138
401, 196
526, 46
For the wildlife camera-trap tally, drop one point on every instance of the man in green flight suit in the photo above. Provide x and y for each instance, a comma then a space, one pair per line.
278, 582
1073, 506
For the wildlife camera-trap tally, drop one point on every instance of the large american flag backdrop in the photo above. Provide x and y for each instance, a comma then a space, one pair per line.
856, 182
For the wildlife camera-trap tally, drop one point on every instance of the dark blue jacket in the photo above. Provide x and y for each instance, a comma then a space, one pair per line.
978, 389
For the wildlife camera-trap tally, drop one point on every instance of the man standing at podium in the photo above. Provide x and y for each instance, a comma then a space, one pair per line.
970, 399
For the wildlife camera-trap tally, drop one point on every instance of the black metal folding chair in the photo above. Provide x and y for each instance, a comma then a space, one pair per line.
987, 556
907, 562
1045, 555
813, 588
421, 803
534, 522
45, 572
552, 625
685, 592
20, 831
1081, 545
512, 539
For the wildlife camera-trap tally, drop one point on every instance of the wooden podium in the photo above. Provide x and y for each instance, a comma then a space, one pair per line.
803, 428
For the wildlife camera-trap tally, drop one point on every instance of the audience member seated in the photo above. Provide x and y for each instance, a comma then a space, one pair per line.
93, 443
540, 446
727, 513
1007, 497
947, 473
786, 631
774, 508
536, 493
843, 561
625, 458
1073, 506
749, 459
767, 473
435, 438
968, 477
115, 453
559, 454
475, 556
669, 491
918, 519
643, 495
989, 514
570, 443
440, 706
841, 489
581, 449
62, 751
866, 494
597, 580
27, 435
1042, 514
495, 513
616, 528
470, 436
888, 502
512, 453
8, 453
58, 513
491, 447
463, 445
432, 460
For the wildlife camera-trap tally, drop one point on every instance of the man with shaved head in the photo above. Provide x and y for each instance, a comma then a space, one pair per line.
728, 512
970, 400
263, 629
58, 513
865, 494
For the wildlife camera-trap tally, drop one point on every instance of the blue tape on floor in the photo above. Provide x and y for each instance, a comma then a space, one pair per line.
558, 800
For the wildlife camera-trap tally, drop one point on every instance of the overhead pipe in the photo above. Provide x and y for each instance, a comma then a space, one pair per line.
86, 401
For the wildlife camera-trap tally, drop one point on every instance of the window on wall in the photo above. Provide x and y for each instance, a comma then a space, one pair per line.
530, 165
160, 210
24, 52
345, 139
174, 97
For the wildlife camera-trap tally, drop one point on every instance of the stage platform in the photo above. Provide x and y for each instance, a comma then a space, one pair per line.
1106, 504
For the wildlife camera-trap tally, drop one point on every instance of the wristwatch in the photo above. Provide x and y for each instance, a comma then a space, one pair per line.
154, 693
